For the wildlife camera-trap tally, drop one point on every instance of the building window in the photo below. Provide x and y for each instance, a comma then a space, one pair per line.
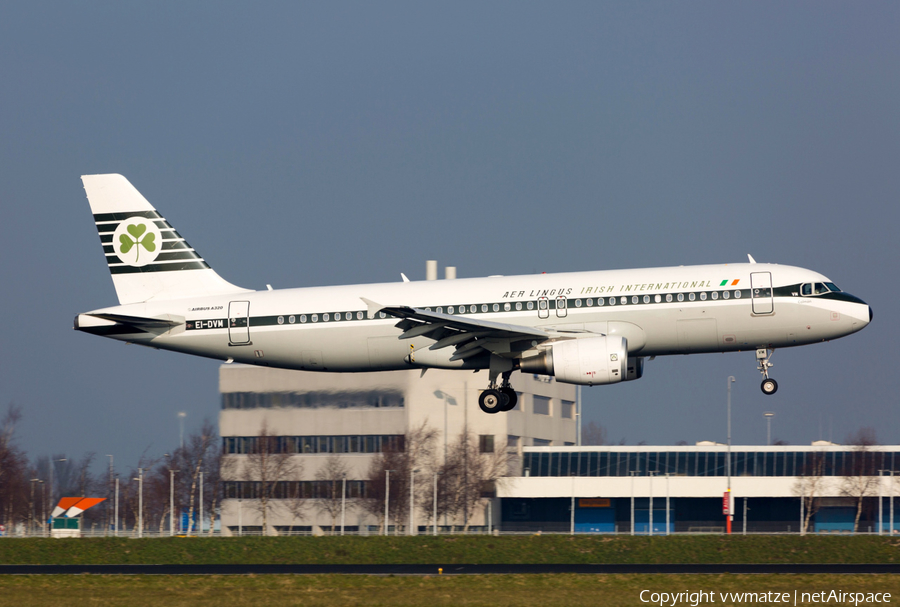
540, 442
541, 405
567, 409
486, 443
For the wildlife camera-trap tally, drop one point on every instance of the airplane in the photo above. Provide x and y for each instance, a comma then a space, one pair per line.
585, 328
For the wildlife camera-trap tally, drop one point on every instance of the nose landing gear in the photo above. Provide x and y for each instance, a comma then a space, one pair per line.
769, 386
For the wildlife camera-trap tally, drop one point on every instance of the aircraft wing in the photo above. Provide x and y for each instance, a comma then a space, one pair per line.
469, 335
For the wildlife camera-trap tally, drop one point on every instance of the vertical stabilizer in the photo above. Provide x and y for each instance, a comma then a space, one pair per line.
147, 258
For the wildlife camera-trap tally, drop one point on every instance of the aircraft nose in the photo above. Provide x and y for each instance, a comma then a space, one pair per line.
871, 314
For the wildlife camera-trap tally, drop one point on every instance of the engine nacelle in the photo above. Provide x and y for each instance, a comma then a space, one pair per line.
590, 361
634, 369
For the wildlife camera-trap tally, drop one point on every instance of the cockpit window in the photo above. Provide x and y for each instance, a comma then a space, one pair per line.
806, 289
820, 288
832, 287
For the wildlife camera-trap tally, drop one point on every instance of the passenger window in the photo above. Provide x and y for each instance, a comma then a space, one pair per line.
600, 301
518, 305
439, 310
658, 299
681, 297
715, 295
530, 305
506, 307
726, 294
315, 318
646, 299
359, 316
669, 298
692, 296
577, 303
326, 317
623, 300
542, 304
473, 308
634, 299
703, 296
303, 318
589, 302
449, 309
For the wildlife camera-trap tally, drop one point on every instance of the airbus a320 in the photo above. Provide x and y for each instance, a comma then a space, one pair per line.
587, 328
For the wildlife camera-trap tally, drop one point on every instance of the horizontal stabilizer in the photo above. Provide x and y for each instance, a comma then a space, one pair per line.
141, 322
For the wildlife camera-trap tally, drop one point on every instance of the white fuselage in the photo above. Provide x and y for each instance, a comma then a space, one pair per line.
660, 311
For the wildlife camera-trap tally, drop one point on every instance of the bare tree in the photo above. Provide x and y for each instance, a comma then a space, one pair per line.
593, 434
14, 500
265, 467
194, 457
810, 485
860, 471
329, 480
414, 455
472, 474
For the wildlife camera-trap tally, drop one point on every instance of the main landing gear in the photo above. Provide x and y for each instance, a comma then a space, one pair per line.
494, 399
769, 386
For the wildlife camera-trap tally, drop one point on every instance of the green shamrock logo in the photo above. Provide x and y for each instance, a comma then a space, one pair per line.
137, 232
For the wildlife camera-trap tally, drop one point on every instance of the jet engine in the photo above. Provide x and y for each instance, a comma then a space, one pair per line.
589, 361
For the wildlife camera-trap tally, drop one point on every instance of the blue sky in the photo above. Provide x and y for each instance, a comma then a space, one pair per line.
304, 144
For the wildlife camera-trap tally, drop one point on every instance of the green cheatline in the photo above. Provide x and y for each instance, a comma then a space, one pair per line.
723, 283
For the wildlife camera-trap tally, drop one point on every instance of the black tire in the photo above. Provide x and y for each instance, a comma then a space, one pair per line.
769, 386
511, 399
490, 401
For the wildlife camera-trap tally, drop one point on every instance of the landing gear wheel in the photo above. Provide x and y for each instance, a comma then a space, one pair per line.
511, 398
769, 386
490, 401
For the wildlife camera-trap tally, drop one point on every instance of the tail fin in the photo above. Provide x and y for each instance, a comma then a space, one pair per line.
147, 258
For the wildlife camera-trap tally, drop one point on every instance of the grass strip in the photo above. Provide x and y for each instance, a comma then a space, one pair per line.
430, 591
454, 549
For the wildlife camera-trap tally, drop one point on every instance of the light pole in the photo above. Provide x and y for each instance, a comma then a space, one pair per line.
33, 481
387, 498
412, 502
53, 461
891, 520
880, 501
343, 500
172, 502
434, 507
768, 415
631, 472
140, 480
667, 504
200, 507
109, 489
116, 521
728, 457
240, 520
650, 474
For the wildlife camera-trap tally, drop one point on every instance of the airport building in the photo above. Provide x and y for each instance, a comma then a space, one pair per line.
316, 416
553, 485
683, 489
